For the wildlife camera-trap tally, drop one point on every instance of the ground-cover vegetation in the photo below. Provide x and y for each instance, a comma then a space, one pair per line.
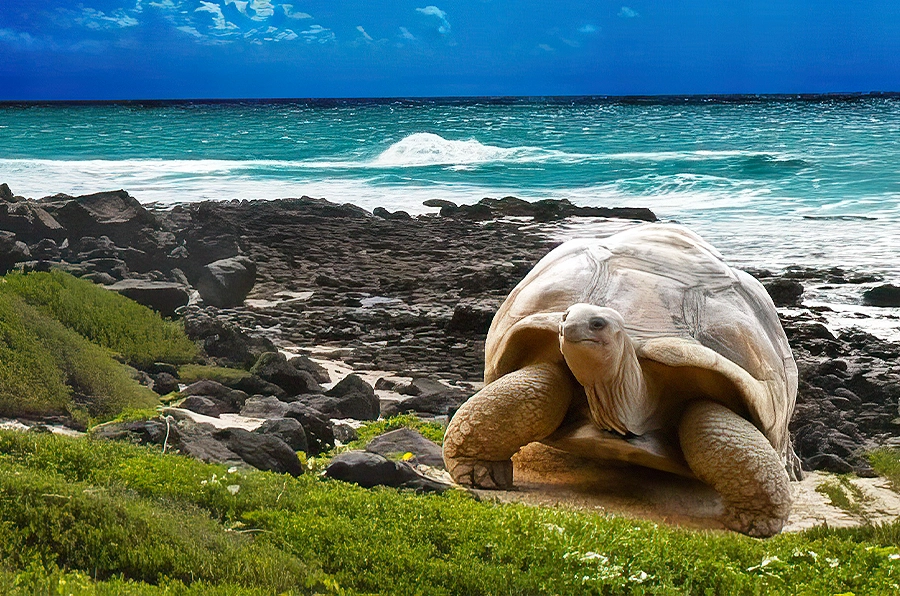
60, 338
105, 318
142, 522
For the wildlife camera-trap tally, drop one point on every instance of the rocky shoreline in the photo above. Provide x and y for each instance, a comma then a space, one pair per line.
410, 296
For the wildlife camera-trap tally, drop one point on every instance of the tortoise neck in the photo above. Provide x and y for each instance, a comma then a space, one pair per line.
619, 396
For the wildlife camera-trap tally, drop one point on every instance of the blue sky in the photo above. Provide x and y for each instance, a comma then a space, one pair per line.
130, 49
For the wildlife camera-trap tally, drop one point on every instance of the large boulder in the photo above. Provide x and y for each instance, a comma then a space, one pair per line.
262, 451
226, 282
274, 368
398, 443
30, 222
162, 296
428, 397
352, 397
370, 469
288, 430
883, 295
115, 214
12, 251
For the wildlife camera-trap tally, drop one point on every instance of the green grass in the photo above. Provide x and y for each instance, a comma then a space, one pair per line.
843, 494
60, 338
190, 373
46, 368
142, 522
886, 462
106, 318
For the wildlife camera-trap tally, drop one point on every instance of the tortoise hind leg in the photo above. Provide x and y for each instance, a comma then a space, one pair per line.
516, 409
727, 452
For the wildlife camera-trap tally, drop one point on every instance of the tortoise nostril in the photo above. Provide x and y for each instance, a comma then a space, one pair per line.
598, 323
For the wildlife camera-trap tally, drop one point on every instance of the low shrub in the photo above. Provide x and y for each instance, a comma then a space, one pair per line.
136, 515
106, 318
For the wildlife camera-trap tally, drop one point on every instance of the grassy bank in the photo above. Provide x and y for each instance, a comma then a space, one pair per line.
63, 342
145, 523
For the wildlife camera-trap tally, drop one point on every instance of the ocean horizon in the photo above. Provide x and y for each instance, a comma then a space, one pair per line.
771, 180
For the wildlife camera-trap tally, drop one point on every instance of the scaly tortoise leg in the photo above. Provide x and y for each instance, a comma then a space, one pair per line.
727, 452
521, 407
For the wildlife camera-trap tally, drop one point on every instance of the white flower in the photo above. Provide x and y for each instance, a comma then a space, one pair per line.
233, 488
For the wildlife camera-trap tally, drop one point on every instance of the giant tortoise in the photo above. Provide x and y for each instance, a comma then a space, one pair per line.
643, 347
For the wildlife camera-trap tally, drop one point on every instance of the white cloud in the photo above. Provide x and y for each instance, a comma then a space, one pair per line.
219, 22
628, 13
97, 19
289, 12
165, 4
192, 31
241, 6
588, 29
317, 33
545, 47
138, 7
364, 34
262, 8
405, 34
19, 38
286, 35
431, 10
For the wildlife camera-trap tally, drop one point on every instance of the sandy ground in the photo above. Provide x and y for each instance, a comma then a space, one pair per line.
666, 498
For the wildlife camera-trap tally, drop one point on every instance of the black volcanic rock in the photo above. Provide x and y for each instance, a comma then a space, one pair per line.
883, 295
227, 282
162, 296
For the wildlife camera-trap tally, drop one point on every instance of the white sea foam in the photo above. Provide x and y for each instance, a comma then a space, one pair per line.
428, 149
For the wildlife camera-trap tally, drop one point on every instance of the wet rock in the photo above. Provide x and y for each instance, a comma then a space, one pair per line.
784, 292
883, 295
274, 368
226, 282
6, 194
288, 430
262, 451
163, 297
405, 440
370, 469
439, 203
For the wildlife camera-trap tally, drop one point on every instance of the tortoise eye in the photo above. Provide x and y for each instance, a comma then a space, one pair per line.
598, 323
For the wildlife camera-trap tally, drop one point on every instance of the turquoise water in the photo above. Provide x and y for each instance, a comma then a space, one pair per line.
770, 182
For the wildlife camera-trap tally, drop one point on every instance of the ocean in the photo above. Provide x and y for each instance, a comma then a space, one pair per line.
771, 181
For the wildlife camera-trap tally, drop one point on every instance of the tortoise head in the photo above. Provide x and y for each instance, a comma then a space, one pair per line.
592, 338
600, 354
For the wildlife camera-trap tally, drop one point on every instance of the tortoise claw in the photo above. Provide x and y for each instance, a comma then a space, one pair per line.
497, 475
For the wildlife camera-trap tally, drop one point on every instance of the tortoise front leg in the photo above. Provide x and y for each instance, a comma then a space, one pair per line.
519, 408
727, 452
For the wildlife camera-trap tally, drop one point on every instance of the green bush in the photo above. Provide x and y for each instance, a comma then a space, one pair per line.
135, 515
106, 318
46, 368
31, 383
